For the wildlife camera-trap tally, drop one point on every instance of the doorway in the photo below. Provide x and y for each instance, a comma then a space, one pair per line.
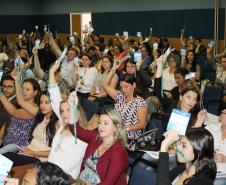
79, 22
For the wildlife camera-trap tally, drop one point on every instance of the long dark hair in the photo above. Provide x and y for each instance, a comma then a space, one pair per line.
51, 126
36, 87
131, 79
202, 143
110, 60
194, 111
49, 173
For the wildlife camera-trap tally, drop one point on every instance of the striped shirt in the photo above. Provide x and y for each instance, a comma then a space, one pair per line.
129, 111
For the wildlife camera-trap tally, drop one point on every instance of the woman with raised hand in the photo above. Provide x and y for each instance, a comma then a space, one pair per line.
45, 127
188, 99
195, 153
106, 158
132, 107
22, 121
63, 145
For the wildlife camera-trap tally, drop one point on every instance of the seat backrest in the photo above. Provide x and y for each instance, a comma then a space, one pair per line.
212, 97
142, 174
213, 91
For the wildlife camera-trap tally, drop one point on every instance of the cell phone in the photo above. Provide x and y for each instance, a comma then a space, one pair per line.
20, 148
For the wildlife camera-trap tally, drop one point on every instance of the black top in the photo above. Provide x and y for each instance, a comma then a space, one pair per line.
166, 177
169, 104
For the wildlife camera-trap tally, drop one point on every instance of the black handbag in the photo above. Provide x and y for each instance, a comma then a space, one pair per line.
153, 132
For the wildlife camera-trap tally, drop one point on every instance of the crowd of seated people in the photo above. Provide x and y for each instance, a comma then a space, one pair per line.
45, 107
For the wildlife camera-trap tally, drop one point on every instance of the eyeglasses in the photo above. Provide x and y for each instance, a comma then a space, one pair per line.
223, 112
8, 86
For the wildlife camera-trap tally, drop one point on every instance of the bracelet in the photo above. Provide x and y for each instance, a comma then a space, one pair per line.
2, 94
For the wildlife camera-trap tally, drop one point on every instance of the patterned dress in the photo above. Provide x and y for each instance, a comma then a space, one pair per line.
89, 174
19, 132
129, 111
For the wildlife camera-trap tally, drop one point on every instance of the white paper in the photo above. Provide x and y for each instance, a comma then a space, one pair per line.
126, 34
179, 121
106, 50
5, 167
221, 170
37, 43
72, 39
137, 57
154, 154
138, 34
183, 52
190, 75
155, 45
62, 55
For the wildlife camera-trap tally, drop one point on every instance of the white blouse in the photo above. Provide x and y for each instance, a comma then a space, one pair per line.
169, 81
88, 76
64, 152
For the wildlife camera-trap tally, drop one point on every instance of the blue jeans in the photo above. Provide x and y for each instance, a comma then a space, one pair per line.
9, 148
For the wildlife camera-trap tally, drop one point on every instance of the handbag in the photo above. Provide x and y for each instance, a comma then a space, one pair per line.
153, 132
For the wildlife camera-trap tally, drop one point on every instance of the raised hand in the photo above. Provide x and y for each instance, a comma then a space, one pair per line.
55, 67
182, 30
170, 137
73, 98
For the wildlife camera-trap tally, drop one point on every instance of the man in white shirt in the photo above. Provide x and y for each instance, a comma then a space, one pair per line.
68, 62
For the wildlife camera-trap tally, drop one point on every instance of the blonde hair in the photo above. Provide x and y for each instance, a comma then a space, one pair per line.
116, 118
